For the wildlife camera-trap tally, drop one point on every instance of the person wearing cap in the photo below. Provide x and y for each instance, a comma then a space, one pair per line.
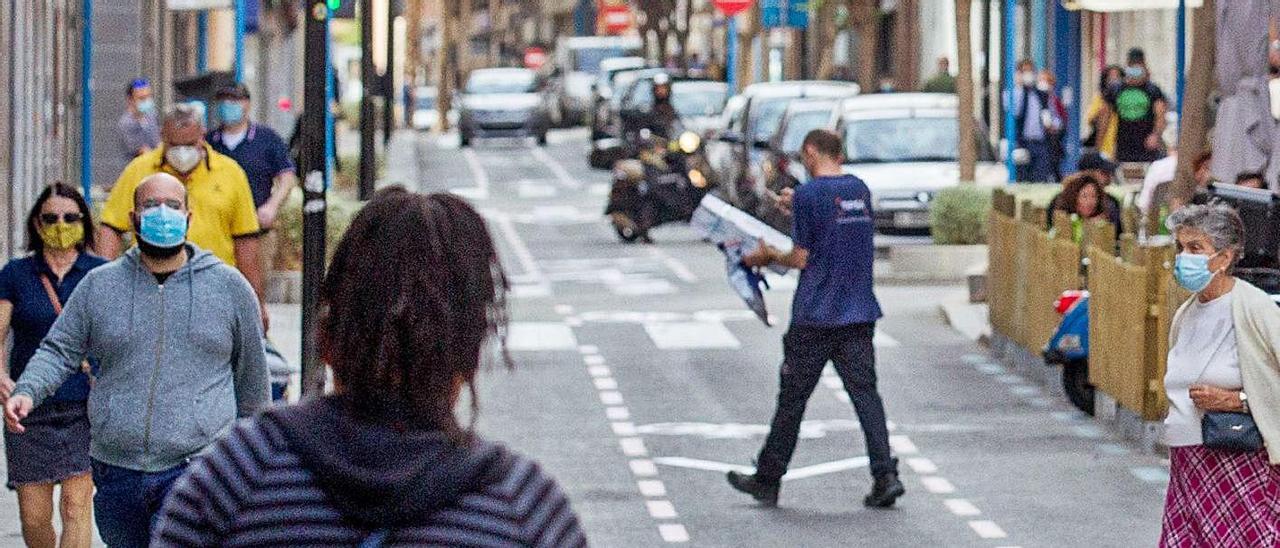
139, 132
262, 155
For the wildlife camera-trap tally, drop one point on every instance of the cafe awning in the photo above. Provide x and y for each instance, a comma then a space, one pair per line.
1126, 5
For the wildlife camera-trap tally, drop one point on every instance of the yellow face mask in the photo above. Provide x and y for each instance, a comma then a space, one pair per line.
62, 235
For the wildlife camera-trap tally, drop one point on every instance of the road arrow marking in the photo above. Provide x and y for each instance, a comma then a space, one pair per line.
795, 474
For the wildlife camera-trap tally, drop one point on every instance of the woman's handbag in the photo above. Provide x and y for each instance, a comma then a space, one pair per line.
1229, 431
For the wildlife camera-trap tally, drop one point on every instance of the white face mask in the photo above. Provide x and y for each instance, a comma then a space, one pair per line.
1042, 86
183, 159
1028, 79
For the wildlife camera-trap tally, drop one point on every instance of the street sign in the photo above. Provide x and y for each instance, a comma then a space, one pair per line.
784, 13
798, 14
616, 19
534, 57
732, 7
771, 13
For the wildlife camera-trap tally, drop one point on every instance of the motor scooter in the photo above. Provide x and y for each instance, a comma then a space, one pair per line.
1069, 348
664, 184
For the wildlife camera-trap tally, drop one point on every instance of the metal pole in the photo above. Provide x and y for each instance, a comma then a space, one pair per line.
202, 42
240, 24
731, 55
368, 87
86, 104
986, 63
1039, 34
315, 181
389, 80
1009, 28
1182, 52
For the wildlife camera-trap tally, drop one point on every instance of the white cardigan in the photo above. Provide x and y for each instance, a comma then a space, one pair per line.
1257, 324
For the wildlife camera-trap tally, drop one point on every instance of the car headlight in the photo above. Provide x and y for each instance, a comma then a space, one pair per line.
924, 197
689, 142
697, 178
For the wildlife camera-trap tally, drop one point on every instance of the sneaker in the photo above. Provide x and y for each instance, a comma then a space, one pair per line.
764, 491
885, 491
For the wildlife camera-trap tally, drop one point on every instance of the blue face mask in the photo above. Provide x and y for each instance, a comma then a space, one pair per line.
147, 106
162, 226
231, 112
1192, 271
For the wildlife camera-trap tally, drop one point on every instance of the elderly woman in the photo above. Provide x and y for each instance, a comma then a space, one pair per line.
1224, 357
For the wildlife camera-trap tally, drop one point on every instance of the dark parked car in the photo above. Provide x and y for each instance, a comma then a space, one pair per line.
603, 89
750, 122
504, 102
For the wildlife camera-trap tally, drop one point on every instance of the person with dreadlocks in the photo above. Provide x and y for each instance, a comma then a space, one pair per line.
412, 298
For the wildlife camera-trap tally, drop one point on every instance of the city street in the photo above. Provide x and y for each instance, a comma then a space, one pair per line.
640, 379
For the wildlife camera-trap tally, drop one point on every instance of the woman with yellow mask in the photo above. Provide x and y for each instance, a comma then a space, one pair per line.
54, 450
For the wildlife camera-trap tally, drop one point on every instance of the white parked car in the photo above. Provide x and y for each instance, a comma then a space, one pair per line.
904, 146
424, 109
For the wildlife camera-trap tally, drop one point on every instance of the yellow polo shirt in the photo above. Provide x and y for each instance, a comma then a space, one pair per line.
217, 193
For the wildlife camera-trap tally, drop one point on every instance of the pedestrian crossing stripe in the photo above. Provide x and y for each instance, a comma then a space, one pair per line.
665, 335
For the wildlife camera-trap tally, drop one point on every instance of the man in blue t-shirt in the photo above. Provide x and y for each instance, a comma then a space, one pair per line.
833, 318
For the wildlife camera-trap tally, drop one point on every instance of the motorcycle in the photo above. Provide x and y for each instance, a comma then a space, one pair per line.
1069, 348
663, 184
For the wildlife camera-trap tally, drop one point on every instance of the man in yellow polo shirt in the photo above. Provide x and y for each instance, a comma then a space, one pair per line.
223, 219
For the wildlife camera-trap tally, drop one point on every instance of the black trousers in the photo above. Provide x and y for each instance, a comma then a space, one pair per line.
806, 351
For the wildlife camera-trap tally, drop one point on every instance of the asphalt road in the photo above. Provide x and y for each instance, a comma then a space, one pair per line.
640, 379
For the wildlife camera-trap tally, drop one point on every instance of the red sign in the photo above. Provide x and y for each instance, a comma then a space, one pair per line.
616, 19
534, 58
732, 7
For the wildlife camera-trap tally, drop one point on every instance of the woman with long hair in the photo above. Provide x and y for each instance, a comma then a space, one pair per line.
54, 451
412, 299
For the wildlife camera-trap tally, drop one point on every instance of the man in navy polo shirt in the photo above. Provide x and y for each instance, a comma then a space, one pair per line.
260, 152
833, 318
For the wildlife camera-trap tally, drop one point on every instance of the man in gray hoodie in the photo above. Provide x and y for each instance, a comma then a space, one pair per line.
178, 337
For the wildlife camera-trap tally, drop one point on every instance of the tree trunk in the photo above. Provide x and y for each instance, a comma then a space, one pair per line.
824, 26
1195, 107
964, 91
446, 60
868, 37
746, 36
906, 46
413, 42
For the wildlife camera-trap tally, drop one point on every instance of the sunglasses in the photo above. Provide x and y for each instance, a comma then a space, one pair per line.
51, 218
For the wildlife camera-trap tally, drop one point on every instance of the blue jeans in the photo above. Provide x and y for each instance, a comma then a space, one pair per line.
127, 503
806, 351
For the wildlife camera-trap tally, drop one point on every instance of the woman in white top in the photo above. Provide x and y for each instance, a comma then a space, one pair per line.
1223, 357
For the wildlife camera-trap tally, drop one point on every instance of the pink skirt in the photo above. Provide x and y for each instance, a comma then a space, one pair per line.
1221, 499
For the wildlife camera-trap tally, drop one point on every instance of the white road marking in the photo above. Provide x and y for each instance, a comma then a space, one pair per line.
903, 445
594, 359
566, 179
528, 264
589, 349
691, 336
1150, 474
827, 468
527, 189
564, 309
652, 488
1088, 431
481, 177
1009, 379
617, 413
962, 507
540, 336
937, 485
701, 464
525, 291
622, 428
598, 371
990, 368
661, 509
573, 321
1025, 390
884, 340
987, 529
633, 447
844, 397
606, 383
674, 265
1067, 416
832, 383
643, 467
922, 465
611, 398
1113, 449
673, 533
641, 287
599, 189
809, 429
1041, 402
795, 474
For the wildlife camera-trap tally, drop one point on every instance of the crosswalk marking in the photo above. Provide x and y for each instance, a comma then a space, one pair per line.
536, 336
987, 529
691, 335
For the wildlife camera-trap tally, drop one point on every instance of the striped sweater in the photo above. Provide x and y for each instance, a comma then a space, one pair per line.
254, 488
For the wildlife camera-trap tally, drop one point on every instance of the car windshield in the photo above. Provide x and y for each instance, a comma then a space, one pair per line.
766, 116
799, 125
484, 83
901, 140
697, 100
588, 59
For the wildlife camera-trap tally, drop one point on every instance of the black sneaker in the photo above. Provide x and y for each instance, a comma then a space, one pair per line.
763, 491
885, 491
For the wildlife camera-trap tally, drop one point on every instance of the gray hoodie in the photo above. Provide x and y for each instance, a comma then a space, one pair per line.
177, 362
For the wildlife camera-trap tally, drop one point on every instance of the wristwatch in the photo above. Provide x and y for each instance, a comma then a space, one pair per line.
1244, 401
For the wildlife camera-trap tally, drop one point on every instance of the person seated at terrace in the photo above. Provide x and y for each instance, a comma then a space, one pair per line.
1083, 198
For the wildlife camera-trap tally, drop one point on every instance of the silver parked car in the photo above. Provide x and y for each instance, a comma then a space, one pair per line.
904, 146
503, 102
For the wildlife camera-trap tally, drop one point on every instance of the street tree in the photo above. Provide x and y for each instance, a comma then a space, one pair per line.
964, 92
1194, 125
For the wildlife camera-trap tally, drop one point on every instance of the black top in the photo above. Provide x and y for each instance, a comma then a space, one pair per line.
1136, 119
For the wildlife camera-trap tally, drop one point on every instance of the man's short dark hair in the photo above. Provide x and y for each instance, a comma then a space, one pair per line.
824, 142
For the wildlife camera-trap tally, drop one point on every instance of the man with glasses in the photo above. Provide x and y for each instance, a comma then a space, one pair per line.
223, 218
179, 346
